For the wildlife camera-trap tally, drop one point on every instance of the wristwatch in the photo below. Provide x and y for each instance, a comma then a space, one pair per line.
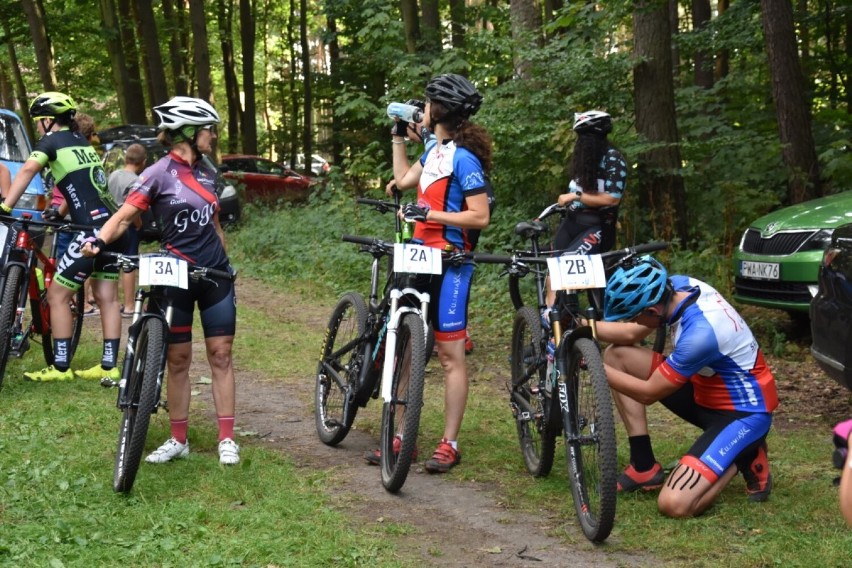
578, 193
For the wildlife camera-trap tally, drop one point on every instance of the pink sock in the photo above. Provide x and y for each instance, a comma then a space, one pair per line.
179, 428
226, 427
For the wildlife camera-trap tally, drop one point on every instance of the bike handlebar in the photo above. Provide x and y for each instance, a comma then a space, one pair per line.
9, 220
131, 262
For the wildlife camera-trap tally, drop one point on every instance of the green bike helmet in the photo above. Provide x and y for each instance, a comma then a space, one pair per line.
51, 105
630, 291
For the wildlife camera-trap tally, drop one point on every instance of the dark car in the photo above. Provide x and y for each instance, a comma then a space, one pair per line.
263, 179
116, 140
831, 309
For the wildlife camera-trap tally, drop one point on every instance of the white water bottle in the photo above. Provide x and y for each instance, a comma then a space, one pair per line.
407, 113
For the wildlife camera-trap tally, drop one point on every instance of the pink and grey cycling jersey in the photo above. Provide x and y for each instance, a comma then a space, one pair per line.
715, 350
183, 200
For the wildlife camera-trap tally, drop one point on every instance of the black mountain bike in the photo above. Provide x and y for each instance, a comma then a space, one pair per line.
377, 347
567, 392
145, 359
26, 274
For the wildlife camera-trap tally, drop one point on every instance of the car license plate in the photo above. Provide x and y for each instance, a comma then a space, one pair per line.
760, 270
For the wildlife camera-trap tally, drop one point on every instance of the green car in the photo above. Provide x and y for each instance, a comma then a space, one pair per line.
779, 256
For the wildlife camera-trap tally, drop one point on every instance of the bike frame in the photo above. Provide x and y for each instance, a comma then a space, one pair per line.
395, 315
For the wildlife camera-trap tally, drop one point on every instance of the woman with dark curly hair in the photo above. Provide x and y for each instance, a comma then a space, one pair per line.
453, 195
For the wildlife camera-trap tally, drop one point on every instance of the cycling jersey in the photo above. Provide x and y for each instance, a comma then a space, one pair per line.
77, 172
715, 350
450, 174
183, 200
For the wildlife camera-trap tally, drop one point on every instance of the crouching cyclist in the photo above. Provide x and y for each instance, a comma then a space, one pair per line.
715, 378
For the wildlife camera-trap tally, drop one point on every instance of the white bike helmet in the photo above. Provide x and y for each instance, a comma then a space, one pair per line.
185, 111
592, 122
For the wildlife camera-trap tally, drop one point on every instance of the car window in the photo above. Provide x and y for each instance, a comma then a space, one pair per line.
13, 140
271, 168
238, 165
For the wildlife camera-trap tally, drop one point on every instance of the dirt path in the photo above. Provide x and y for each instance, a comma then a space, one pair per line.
452, 523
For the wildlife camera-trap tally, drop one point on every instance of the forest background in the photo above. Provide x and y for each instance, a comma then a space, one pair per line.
725, 109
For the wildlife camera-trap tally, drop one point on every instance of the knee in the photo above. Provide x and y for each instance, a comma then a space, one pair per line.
220, 357
670, 505
613, 356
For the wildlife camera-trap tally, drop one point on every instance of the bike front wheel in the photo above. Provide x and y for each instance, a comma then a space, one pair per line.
142, 393
533, 407
8, 307
339, 368
401, 415
590, 439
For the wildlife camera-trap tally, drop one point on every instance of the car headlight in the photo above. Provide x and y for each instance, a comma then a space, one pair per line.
31, 201
228, 192
818, 241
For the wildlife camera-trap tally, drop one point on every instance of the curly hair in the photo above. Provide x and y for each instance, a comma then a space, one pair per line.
465, 134
585, 163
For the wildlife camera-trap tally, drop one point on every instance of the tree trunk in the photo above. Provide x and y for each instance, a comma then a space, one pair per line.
411, 24
175, 17
334, 72
308, 127
224, 13
18, 80
722, 57
249, 118
703, 60
137, 112
153, 61
201, 50
41, 42
112, 35
661, 188
7, 88
295, 111
431, 31
791, 105
457, 23
525, 16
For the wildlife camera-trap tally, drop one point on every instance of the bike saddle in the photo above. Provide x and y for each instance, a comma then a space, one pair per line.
528, 229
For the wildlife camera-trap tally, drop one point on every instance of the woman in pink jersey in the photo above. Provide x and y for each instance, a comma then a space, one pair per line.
180, 192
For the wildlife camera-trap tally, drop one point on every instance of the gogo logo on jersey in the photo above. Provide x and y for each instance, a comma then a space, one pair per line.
198, 217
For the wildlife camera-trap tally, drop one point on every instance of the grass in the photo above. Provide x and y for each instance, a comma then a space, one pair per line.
57, 445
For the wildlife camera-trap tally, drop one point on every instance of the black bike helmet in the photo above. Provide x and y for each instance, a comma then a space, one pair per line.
51, 105
455, 93
592, 122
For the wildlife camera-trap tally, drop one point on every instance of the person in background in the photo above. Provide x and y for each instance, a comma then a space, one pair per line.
843, 460
180, 191
452, 207
5, 180
119, 184
79, 176
715, 378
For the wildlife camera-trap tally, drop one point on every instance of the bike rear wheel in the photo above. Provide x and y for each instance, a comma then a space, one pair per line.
533, 408
339, 369
47, 332
8, 307
142, 394
401, 416
590, 439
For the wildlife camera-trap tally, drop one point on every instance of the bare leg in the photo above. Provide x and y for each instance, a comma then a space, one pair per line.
451, 356
179, 359
222, 367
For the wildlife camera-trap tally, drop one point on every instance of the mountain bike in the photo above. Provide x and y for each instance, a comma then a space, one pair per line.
558, 384
27, 274
378, 347
145, 355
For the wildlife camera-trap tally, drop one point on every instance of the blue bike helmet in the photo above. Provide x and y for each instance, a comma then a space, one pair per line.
630, 291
